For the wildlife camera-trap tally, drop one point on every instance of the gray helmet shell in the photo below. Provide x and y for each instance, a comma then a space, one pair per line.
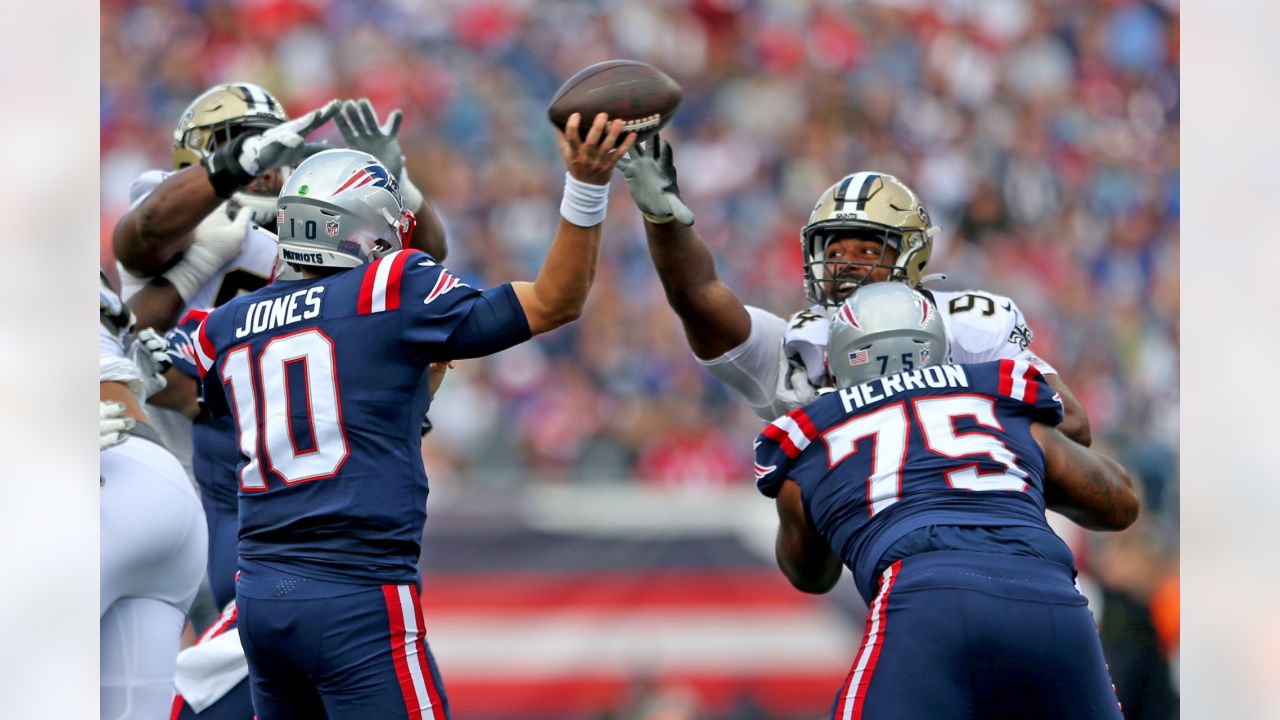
339, 208
882, 329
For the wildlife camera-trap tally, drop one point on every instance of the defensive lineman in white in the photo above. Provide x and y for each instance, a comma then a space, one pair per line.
867, 227
152, 529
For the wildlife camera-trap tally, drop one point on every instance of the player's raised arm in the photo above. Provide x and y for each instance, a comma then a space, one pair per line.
1088, 487
358, 123
559, 293
714, 319
803, 555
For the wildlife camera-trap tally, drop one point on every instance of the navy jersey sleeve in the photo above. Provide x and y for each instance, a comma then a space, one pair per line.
779, 446
445, 318
181, 337
1022, 382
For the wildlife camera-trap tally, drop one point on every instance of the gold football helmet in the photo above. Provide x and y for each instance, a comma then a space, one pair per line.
871, 206
219, 114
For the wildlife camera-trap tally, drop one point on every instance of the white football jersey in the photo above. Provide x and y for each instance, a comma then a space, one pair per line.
249, 270
782, 365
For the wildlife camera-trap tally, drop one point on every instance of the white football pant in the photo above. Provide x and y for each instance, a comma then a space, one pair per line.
154, 545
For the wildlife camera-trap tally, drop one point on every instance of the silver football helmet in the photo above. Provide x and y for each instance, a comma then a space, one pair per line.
341, 209
884, 328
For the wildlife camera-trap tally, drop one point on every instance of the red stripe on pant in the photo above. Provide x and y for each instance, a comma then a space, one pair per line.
395, 614
405, 662
876, 621
437, 707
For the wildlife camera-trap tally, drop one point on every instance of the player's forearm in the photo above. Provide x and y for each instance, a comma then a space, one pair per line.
803, 555
428, 236
559, 293
714, 319
119, 392
149, 235
157, 305
1091, 489
1075, 423
179, 394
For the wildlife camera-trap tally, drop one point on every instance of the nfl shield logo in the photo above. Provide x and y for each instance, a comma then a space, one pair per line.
924, 356
331, 227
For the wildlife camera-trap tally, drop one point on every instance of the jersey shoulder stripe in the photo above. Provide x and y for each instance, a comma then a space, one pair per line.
380, 287
793, 432
205, 351
1018, 380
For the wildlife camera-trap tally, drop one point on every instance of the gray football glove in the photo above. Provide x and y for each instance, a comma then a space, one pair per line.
150, 352
238, 162
113, 426
651, 177
358, 123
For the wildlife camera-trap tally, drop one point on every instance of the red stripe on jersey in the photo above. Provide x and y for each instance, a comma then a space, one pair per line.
395, 615
806, 425
780, 436
1029, 392
194, 314
206, 347
1006, 377
176, 711
221, 625
393, 281
364, 305
437, 708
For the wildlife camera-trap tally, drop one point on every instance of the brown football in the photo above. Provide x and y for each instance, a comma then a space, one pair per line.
639, 93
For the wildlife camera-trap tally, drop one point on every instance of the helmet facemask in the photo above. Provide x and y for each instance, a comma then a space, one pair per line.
828, 282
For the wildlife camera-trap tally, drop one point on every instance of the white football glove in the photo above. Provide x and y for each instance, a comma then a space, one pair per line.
651, 177
150, 352
794, 389
237, 163
218, 240
113, 425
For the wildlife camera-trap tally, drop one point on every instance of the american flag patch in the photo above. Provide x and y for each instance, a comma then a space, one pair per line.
859, 357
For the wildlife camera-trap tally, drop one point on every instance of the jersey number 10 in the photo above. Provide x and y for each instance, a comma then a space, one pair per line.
260, 401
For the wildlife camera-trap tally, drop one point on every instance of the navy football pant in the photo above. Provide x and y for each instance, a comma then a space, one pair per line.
970, 636
360, 655
224, 529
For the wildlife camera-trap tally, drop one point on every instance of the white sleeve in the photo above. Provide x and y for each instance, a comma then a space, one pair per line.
983, 326
146, 184
752, 368
114, 366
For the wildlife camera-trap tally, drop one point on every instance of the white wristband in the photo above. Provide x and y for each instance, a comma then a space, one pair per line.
196, 268
584, 204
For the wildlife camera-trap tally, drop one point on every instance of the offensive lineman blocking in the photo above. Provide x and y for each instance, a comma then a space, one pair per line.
930, 481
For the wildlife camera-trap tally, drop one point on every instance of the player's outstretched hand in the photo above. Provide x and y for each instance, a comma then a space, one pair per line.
651, 178
238, 162
591, 160
151, 354
113, 425
358, 123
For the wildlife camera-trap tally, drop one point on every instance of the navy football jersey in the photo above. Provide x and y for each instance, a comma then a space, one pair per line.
213, 438
326, 381
946, 445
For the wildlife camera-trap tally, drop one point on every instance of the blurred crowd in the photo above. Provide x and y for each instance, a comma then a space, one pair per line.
1041, 134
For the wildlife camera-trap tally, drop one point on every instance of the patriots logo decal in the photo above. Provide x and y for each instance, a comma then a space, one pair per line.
369, 176
763, 471
444, 284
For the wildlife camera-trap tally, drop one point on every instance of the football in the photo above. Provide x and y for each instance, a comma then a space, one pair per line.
640, 94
